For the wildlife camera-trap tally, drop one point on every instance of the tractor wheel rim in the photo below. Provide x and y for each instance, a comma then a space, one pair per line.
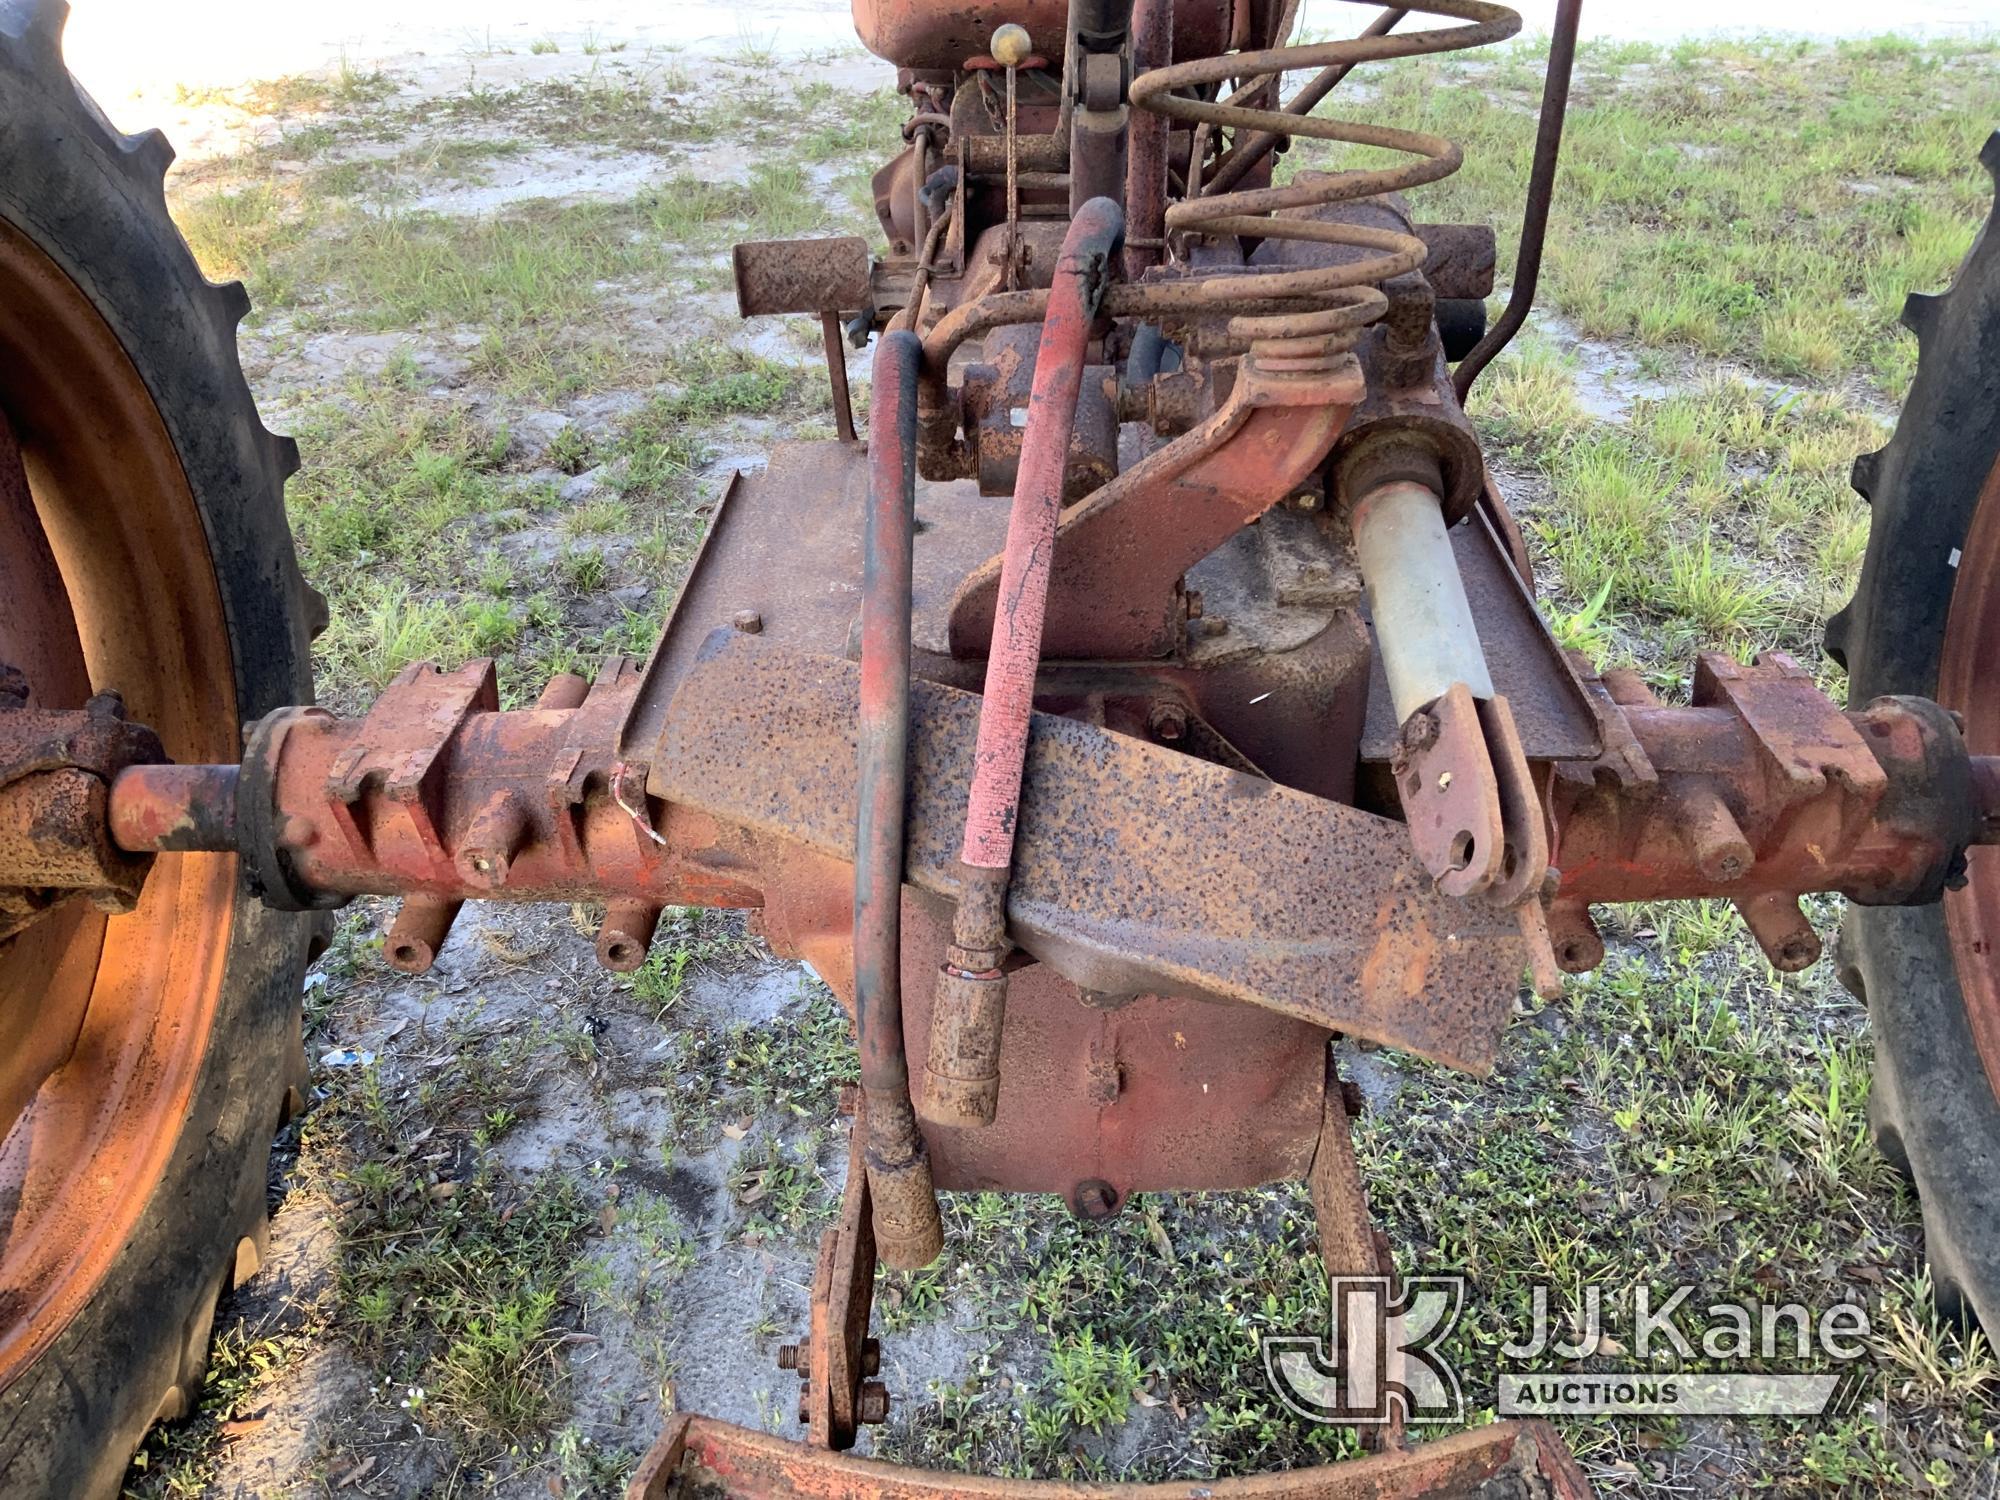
113, 1015
1966, 682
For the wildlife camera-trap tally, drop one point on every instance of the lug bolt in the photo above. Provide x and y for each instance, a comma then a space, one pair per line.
793, 1356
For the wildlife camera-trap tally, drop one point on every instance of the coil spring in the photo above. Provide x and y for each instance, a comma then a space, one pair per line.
1333, 303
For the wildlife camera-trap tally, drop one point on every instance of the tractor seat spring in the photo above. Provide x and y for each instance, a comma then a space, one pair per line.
1333, 303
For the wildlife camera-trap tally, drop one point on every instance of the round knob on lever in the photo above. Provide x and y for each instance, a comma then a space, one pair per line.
1011, 45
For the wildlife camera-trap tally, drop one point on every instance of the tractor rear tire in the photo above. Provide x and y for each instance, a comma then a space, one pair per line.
160, 496
1925, 620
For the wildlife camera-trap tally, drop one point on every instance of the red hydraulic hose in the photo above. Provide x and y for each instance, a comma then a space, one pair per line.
962, 1073
1080, 276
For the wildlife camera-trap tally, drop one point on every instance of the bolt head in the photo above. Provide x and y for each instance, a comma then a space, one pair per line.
873, 1405
748, 621
1168, 721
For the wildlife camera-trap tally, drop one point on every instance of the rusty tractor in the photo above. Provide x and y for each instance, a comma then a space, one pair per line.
1154, 692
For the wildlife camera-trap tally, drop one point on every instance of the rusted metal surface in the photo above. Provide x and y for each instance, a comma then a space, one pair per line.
1133, 859
386, 804
1524, 858
1253, 146
625, 935
1112, 594
1098, 116
165, 808
56, 771
1349, 1244
823, 276
836, 1393
1445, 781
836, 372
801, 276
785, 544
418, 933
1285, 683
996, 399
968, 1019
1012, 40
1138, 1092
1135, 868
104, 1020
1878, 804
1146, 144
1458, 258
1541, 194
908, 1230
564, 690
1964, 685
1419, 417
1334, 301
1766, 791
697, 1456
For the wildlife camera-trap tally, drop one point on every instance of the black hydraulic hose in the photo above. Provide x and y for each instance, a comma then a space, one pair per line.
1541, 193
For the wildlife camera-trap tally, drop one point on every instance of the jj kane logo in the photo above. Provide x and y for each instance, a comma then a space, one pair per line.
1383, 1356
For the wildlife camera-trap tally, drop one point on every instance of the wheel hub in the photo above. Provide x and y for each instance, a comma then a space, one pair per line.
105, 567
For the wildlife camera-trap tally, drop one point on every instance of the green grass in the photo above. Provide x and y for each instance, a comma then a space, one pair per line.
180, 1460
459, 1296
1768, 200
790, 1069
